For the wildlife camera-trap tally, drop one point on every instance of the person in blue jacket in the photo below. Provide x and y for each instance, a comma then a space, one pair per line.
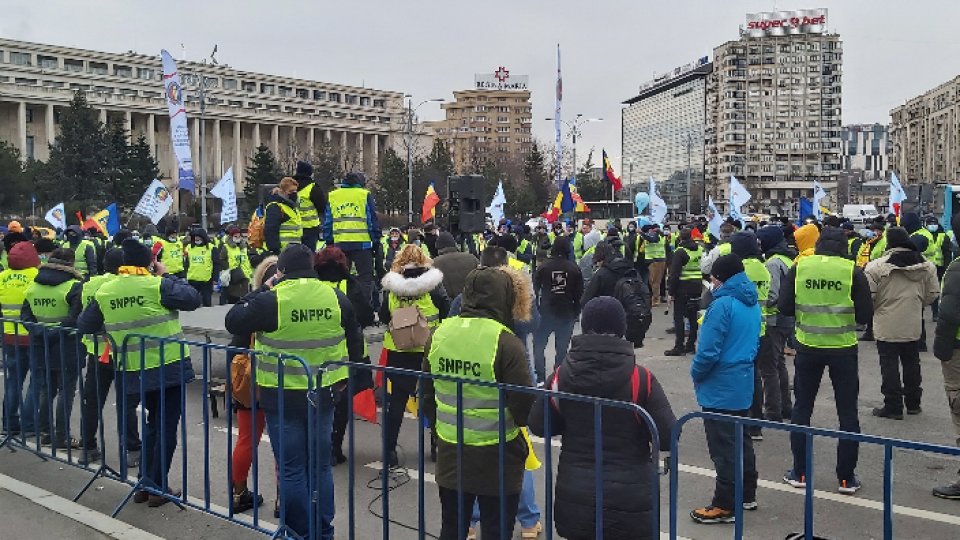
722, 373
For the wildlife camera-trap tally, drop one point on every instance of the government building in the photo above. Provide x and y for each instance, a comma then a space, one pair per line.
293, 117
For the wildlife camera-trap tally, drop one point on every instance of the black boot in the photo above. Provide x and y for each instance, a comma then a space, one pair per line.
677, 350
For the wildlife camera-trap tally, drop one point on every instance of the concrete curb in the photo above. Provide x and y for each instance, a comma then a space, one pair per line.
81, 514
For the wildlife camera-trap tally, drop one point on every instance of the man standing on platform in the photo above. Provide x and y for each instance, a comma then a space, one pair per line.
350, 223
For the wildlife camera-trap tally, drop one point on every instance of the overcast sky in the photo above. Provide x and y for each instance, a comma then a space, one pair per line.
893, 49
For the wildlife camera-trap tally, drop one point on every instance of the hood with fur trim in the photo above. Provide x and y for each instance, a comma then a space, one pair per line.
414, 282
500, 293
267, 266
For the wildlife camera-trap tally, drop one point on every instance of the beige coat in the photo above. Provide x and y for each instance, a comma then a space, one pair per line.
901, 287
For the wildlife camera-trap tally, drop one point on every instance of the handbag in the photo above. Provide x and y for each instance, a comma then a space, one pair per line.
241, 378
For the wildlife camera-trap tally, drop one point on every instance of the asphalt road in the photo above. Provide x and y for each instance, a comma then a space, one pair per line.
917, 514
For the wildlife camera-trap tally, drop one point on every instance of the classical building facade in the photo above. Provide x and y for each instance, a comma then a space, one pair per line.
773, 115
925, 136
663, 136
293, 117
486, 125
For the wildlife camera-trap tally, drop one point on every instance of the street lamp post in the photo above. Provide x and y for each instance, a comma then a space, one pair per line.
202, 89
574, 128
410, 110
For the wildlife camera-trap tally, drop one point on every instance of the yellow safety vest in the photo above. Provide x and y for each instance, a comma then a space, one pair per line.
171, 255
427, 309
201, 263
291, 229
309, 217
13, 291
825, 313
348, 209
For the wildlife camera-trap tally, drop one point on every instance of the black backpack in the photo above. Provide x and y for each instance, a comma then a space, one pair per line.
634, 295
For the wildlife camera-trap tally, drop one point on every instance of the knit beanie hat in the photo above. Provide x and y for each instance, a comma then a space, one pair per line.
769, 237
136, 254
112, 260
726, 267
604, 315
296, 258
744, 244
446, 240
23, 255
897, 237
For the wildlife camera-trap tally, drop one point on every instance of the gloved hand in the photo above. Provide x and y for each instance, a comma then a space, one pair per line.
225, 278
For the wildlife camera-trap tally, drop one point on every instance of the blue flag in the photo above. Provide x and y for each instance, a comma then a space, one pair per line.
567, 204
113, 219
806, 209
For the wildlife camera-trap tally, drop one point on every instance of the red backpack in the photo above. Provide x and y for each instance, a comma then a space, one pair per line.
634, 387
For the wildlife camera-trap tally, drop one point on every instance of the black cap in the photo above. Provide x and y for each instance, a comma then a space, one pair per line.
726, 266
304, 170
136, 254
112, 260
296, 258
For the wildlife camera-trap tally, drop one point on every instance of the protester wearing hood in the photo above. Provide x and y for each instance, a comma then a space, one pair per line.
20, 271
723, 379
806, 238
558, 287
684, 288
454, 264
826, 340
99, 377
311, 199
589, 244
84, 252
236, 269
946, 348
203, 264
902, 282
49, 305
411, 281
295, 287
282, 224
332, 268
778, 405
350, 222
602, 364
430, 232
493, 300
171, 253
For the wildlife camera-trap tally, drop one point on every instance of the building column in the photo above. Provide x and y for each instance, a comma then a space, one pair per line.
151, 135
311, 140
343, 146
237, 158
103, 116
217, 149
375, 155
360, 153
275, 139
194, 147
128, 125
22, 129
256, 136
51, 127
327, 136
292, 140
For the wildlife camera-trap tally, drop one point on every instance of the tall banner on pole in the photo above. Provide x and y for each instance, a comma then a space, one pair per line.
897, 195
496, 205
818, 194
739, 196
179, 134
714, 219
155, 202
226, 191
658, 208
558, 124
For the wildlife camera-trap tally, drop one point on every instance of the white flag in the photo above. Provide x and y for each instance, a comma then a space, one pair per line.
714, 220
57, 217
226, 190
739, 196
155, 202
818, 194
496, 205
179, 134
658, 208
897, 194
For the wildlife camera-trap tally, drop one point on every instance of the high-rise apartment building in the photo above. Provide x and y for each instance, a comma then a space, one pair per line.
773, 110
293, 117
489, 123
925, 136
865, 147
663, 136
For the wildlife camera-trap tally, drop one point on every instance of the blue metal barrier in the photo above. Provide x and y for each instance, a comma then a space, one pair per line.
809, 433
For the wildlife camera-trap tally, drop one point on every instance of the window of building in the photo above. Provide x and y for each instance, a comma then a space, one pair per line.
129, 92
248, 86
302, 93
266, 88
150, 94
380, 103
334, 97
211, 82
25, 82
503, 119
229, 84
350, 99
145, 73
30, 145
53, 84
72, 65
48, 62
29, 115
98, 68
20, 59
284, 91
365, 101
122, 71
319, 95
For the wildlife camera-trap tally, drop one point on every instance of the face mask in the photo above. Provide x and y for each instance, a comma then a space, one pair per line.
869, 234
932, 228
237, 239
198, 241
172, 238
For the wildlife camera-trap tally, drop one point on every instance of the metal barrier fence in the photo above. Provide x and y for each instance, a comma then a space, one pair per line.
164, 413
808, 433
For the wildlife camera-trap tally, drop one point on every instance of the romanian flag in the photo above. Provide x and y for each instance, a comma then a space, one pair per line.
429, 205
108, 219
609, 174
567, 200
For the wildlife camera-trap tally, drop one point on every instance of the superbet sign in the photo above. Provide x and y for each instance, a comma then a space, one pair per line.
782, 23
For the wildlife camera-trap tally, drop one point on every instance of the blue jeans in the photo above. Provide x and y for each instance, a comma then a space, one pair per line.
16, 363
293, 459
562, 330
160, 434
528, 513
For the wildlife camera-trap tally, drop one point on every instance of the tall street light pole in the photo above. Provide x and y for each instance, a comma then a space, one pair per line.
203, 107
573, 126
410, 110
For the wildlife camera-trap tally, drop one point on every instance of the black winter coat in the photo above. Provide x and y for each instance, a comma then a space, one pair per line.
604, 281
602, 366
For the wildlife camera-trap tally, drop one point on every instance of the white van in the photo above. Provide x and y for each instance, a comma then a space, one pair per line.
859, 213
